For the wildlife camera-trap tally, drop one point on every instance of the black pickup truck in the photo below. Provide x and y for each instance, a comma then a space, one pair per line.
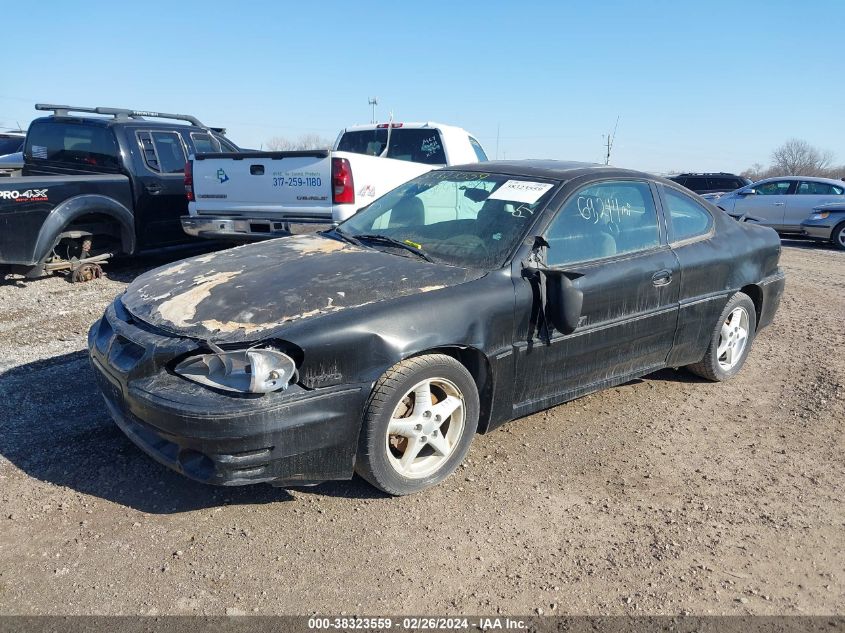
97, 186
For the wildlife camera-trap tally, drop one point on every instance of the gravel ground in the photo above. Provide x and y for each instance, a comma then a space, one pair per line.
663, 496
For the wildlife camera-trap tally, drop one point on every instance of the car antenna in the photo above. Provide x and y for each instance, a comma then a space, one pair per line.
389, 130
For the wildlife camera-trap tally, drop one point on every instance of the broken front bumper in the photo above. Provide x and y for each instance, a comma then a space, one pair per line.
295, 436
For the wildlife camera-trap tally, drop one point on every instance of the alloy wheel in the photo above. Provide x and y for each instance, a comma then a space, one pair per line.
425, 427
733, 338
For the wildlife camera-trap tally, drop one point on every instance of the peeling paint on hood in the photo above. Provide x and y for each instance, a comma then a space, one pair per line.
249, 292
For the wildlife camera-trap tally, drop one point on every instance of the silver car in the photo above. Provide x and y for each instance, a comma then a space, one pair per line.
827, 223
782, 203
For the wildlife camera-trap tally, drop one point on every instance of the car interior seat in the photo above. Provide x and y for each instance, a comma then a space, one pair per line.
407, 212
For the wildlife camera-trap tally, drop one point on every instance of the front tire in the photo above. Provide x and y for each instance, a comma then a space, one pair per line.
837, 236
419, 422
730, 340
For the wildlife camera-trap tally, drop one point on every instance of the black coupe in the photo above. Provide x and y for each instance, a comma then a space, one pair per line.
462, 299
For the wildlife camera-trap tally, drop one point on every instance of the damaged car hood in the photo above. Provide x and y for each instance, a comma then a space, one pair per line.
247, 293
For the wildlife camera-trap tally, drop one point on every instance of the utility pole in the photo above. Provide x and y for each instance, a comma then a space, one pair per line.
609, 142
373, 101
497, 141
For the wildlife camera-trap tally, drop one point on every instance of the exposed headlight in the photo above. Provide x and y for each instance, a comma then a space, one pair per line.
244, 371
820, 216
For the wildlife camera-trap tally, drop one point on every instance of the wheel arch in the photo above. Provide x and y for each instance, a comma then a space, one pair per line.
72, 209
478, 365
755, 292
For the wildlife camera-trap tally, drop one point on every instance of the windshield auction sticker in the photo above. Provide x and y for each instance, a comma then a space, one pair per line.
520, 191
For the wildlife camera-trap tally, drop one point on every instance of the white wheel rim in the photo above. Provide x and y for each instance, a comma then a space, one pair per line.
841, 236
425, 428
733, 338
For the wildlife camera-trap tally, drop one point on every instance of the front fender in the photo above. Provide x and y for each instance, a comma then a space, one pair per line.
74, 208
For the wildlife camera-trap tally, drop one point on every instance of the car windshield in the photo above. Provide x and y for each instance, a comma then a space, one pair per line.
460, 218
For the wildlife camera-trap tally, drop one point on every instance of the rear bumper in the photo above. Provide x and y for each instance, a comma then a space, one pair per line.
226, 227
296, 436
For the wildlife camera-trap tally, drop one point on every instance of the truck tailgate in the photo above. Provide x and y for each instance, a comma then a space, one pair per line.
261, 184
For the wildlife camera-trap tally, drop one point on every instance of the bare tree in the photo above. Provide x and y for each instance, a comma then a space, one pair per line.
305, 141
754, 173
799, 158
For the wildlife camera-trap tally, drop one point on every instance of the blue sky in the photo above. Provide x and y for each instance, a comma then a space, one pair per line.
696, 86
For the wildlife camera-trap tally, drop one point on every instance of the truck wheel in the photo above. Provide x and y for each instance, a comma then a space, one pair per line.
418, 424
837, 236
730, 340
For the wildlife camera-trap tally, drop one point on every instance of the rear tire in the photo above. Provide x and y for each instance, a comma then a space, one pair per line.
730, 340
837, 236
419, 422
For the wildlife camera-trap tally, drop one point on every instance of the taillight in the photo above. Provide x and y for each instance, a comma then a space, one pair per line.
189, 180
343, 189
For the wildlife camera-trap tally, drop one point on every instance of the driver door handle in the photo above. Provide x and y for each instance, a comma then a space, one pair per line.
662, 278
153, 188
779, 204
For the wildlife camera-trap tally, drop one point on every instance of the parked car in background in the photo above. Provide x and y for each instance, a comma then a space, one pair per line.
256, 195
782, 203
460, 300
94, 186
11, 152
710, 185
827, 223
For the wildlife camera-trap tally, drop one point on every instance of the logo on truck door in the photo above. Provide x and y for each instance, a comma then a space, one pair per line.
30, 195
221, 176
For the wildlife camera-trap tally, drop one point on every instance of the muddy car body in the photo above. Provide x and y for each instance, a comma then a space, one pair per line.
544, 282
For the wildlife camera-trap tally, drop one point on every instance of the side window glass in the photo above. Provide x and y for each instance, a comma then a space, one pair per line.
777, 188
602, 220
809, 188
225, 145
204, 144
689, 218
163, 151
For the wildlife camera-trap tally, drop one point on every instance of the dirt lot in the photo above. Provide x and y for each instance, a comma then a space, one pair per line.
665, 495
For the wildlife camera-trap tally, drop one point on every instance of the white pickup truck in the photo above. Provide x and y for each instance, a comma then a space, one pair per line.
259, 194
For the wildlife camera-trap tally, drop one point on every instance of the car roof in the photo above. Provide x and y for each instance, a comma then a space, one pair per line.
552, 169
413, 125
707, 173
829, 181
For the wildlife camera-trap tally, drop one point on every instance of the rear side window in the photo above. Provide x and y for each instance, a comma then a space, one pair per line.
75, 143
696, 184
479, 151
809, 188
418, 146
725, 184
689, 219
163, 151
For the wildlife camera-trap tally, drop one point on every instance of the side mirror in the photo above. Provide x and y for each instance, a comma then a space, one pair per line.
748, 192
564, 300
